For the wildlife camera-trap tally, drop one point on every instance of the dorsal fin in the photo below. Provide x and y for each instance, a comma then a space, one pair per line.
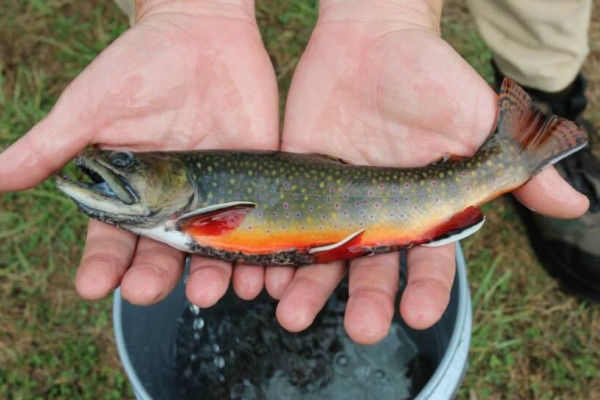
329, 157
448, 158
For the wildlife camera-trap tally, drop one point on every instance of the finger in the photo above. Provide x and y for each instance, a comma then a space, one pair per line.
248, 280
154, 272
306, 295
208, 281
48, 146
277, 280
373, 288
107, 255
549, 194
430, 277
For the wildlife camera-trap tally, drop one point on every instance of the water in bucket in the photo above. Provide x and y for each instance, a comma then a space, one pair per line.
240, 352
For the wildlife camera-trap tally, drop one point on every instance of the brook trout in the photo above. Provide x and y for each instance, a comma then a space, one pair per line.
298, 209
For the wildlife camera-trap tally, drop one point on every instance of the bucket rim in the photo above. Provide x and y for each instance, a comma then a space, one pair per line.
460, 339
138, 387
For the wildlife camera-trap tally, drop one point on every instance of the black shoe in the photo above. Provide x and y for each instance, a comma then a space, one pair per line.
570, 249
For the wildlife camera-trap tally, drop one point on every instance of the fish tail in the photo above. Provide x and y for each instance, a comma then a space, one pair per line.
544, 139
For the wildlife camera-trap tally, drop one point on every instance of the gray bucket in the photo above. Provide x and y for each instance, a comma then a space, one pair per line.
146, 335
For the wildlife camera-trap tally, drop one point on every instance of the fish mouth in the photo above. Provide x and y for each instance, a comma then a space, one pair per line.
108, 191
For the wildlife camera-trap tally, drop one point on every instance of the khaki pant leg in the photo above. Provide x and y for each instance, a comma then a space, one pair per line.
539, 43
128, 7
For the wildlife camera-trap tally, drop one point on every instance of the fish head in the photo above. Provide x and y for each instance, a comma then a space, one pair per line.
130, 189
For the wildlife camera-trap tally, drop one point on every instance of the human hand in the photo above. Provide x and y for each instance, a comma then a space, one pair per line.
377, 85
190, 74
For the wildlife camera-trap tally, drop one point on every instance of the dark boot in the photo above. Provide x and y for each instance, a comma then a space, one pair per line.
570, 249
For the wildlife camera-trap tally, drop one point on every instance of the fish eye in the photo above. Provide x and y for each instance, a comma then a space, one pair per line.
121, 159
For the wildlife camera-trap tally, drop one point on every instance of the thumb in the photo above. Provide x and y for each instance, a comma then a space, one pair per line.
49, 145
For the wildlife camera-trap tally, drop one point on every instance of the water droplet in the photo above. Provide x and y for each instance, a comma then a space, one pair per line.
364, 371
197, 336
216, 348
380, 374
195, 309
342, 360
198, 324
219, 362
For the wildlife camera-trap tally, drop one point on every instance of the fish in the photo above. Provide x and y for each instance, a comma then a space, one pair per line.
281, 208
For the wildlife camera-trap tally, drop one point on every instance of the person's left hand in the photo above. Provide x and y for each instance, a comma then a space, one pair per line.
377, 85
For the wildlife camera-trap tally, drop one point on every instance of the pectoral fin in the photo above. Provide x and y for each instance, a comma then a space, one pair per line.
349, 247
216, 219
458, 227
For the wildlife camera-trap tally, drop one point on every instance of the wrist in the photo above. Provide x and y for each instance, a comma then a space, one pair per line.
423, 14
239, 9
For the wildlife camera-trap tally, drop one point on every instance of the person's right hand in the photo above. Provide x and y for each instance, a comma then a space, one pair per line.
188, 75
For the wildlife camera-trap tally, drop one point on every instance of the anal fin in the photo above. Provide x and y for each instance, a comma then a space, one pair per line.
458, 227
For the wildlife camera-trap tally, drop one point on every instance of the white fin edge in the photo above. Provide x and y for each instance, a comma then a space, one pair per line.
567, 154
456, 237
172, 237
216, 207
335, 245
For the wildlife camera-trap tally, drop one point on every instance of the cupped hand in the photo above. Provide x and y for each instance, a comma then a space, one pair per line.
187, 75
378, 86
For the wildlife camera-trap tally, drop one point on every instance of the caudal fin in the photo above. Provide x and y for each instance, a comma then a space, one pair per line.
546, 139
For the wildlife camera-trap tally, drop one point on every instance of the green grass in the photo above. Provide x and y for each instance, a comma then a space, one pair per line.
529, 339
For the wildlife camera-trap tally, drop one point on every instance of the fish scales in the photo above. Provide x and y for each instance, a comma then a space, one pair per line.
296, 209
310, 200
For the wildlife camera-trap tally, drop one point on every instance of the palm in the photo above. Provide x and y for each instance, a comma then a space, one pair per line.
391, 103
179, 84
172, 82
401, 98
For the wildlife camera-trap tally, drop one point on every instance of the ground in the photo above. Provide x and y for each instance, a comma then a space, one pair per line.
530, 341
